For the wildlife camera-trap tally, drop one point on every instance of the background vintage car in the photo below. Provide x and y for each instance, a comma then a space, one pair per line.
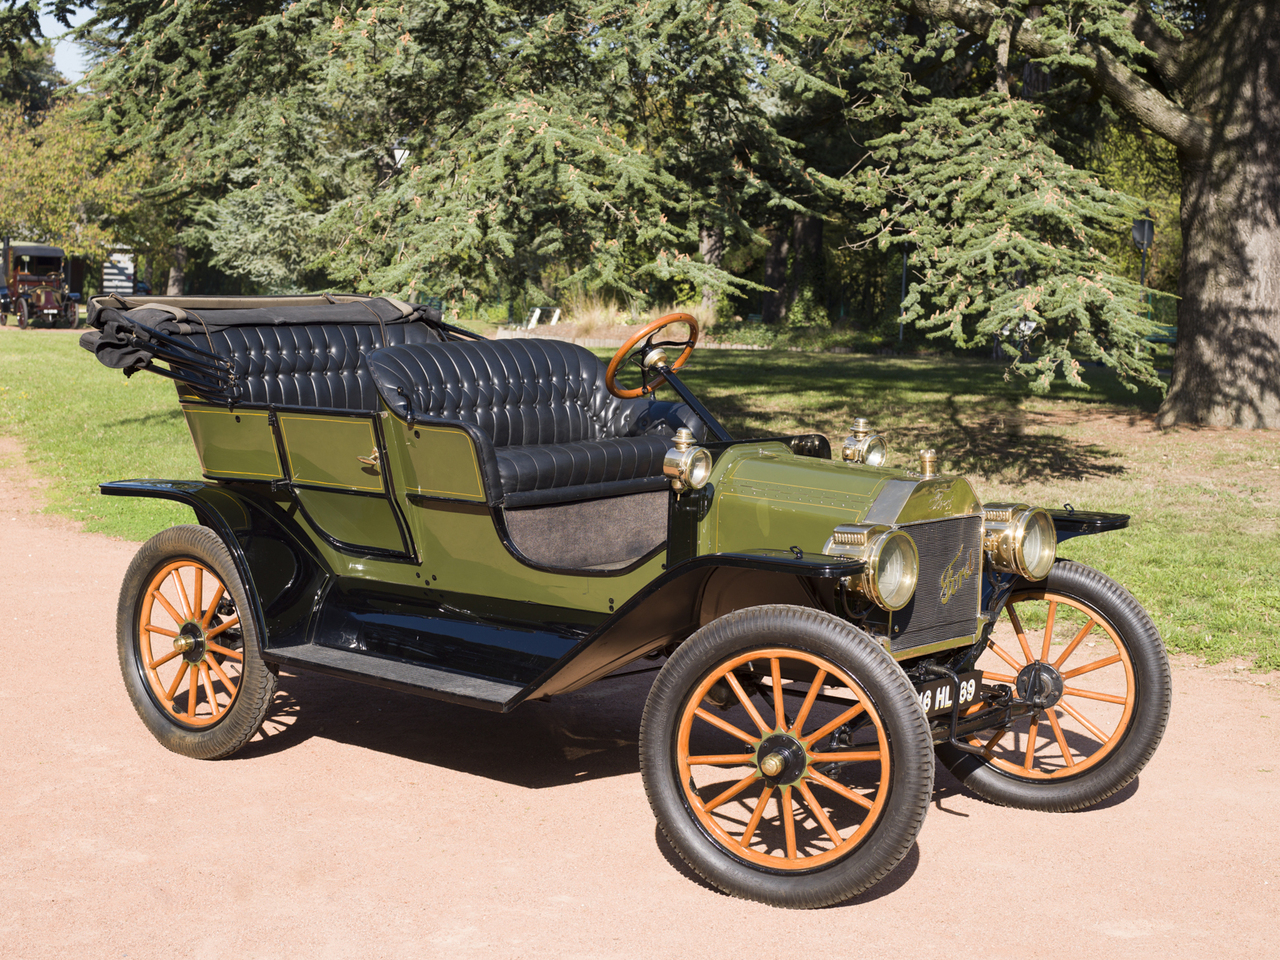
392, 500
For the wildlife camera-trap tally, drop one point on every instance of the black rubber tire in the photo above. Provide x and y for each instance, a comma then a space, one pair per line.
23, 310
256, 685
1152, 695
888, 692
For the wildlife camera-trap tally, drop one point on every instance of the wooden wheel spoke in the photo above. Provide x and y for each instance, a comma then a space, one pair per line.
1080, 719
780, 718
213, 605
193, 690
1000, 735
226, 652
231, 622
161, 661
177, 617
163, 631
749, 833
1062, 741
1022, 636
819, 814
720, 760
1090, 667
732, 792
725, 725
198, 594
1007, 658
788, 822
188, 612
226, 681
1032, 736
173, 689
1094, 695
837, 722
809, 700
840, 788
998, 677
848, 756
208, 689
1048, 630
746, 702
1071, 647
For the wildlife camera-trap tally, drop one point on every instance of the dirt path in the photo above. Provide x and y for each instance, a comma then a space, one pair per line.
367, 824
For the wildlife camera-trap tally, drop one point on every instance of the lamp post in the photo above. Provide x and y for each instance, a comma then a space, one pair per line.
1144, 233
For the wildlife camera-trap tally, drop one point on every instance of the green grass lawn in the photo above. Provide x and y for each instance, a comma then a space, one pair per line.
1202, 551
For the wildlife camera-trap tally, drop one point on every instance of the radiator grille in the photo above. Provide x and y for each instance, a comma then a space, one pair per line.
950, 569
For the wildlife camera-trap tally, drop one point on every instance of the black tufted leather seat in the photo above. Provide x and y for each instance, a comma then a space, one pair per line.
539, 412
308, 365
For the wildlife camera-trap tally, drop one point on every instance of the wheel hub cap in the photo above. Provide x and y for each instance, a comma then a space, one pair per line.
782, 759
1040, 685
190, 642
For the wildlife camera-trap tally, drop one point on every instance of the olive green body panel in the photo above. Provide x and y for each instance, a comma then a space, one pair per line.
233, 445
764, 495
433, 461
327, 451
359, 522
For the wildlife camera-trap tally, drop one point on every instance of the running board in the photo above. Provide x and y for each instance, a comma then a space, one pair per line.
460, 688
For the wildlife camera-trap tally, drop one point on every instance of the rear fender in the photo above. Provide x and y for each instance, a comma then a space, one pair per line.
285, 577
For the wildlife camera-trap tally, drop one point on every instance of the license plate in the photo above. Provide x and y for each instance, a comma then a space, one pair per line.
938, 696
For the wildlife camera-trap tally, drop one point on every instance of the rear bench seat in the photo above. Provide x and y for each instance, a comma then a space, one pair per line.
545, 427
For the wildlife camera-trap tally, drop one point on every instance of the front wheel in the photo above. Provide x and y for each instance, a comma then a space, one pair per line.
23, 310
1084, 651
786, 757
188, 645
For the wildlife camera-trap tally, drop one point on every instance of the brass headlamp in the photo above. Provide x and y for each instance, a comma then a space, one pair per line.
893, 563
1019, 539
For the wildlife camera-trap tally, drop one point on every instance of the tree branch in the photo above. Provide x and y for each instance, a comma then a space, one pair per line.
1126, 88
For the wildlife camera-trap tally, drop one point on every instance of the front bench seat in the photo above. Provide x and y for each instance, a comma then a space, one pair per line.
546, 428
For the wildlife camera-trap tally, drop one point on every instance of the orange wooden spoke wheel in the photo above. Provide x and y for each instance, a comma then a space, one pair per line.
1080, 650
786, 757
189, 643
687, 345
760, 766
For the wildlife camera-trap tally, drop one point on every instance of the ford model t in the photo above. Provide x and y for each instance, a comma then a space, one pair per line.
392, 500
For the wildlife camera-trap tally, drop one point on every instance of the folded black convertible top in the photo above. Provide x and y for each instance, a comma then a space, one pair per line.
186, 315
131, 333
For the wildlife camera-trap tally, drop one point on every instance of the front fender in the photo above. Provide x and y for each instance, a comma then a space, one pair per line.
274, 557
685, 597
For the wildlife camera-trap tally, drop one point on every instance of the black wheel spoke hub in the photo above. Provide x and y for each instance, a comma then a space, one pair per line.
782, 759
1040, 685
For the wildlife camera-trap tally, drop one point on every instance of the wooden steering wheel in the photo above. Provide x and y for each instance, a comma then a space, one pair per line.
610, 374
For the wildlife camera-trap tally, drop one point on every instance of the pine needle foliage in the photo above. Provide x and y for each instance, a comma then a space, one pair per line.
1003, 237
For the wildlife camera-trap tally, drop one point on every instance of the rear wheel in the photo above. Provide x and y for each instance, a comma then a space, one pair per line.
188, 646
786, 757
1080, 646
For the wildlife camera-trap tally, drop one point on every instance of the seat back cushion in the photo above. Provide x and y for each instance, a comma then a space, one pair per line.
518, 392
308, 365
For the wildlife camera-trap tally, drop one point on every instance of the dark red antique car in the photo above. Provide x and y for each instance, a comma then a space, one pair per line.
35, 286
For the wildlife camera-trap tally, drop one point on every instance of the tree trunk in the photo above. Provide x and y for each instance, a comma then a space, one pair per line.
711, 246
806, 285
1226, 369
177, 272
773, 306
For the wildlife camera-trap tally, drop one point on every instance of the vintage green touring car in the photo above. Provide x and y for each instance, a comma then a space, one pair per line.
389, 499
